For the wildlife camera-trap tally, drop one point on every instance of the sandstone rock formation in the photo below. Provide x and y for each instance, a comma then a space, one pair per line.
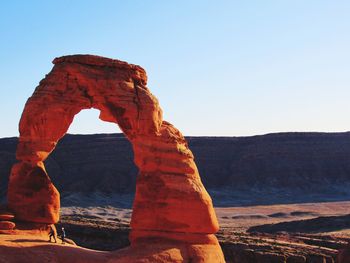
6, 219
7, 225
7, 216
170, 201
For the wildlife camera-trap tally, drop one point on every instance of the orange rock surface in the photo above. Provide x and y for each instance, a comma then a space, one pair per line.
24, 248
170, 201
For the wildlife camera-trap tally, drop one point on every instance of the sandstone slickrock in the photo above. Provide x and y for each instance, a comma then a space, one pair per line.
170, 201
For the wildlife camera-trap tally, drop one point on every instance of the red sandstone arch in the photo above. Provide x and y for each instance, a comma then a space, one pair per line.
170, 200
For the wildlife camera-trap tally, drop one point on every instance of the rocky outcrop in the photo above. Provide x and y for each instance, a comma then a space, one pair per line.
280, 248
7, 225
170, 200
6, 216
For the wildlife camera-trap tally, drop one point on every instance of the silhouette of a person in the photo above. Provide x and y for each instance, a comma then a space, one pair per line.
63, 235
53, 233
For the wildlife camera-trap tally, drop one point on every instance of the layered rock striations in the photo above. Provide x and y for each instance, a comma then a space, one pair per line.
309, 167
170, 200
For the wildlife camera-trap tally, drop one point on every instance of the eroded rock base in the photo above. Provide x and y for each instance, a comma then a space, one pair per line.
36, 248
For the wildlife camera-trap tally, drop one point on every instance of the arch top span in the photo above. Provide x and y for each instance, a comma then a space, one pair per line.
78, 82
92, 60
170, 200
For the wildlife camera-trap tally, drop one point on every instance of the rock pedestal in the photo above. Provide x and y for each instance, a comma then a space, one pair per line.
170, 204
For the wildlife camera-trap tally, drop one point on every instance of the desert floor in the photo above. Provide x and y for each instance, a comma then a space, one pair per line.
239, 218
306, 231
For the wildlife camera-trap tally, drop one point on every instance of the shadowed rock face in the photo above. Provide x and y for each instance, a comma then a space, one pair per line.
170, 200
278, 168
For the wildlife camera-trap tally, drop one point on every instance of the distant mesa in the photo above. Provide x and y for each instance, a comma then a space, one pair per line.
171, 208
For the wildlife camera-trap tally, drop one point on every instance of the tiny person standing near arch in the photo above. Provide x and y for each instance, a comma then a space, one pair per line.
63, 235
52, 233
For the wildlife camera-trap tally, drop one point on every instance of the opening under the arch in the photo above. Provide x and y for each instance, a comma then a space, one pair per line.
93, 168
93, 164
88, 122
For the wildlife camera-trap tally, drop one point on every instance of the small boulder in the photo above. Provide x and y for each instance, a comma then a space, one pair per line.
6, 216
7, 225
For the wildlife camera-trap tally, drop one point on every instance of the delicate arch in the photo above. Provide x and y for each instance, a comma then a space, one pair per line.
170, 200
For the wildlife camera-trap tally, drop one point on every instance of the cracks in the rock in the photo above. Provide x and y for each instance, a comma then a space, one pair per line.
82, 89
86, 95
137, 101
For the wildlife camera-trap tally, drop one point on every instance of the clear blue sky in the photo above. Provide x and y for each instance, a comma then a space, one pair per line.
217, 67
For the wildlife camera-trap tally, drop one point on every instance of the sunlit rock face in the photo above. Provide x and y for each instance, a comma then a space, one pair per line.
170, 201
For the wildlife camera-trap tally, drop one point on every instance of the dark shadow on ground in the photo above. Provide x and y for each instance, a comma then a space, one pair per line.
314, 225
